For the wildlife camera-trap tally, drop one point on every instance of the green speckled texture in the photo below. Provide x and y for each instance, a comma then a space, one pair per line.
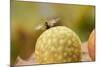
57, 45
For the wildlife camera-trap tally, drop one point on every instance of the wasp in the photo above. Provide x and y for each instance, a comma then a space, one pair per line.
48, 24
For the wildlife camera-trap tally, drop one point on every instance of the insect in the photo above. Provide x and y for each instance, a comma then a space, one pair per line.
48, 24
52, 22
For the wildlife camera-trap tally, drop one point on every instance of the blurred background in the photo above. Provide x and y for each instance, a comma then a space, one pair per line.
25, 16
